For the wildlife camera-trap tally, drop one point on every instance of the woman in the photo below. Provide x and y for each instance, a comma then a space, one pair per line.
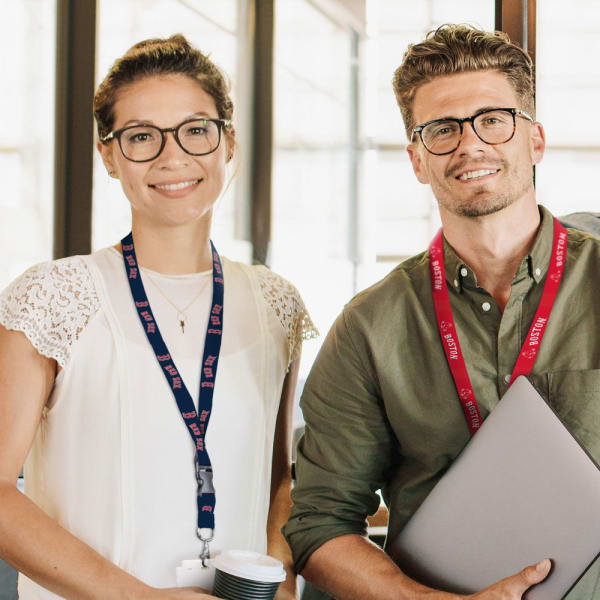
101, 363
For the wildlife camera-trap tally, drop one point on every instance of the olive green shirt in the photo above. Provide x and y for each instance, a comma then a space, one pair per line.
380, 404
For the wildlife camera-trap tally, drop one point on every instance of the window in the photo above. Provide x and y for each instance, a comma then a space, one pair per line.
314, 123
568, 96
27, 135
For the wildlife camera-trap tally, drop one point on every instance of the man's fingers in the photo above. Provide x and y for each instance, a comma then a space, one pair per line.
534, 573
515, 586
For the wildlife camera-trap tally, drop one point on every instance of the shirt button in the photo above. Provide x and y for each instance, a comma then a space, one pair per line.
538, 272
507, 378
464, 272
486, 306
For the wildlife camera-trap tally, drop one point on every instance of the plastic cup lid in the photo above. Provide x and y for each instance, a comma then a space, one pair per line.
250, 565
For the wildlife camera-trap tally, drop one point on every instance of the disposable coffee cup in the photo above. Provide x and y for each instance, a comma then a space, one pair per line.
242, 575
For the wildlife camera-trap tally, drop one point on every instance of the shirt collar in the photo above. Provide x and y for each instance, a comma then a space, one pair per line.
538, 260
534, 265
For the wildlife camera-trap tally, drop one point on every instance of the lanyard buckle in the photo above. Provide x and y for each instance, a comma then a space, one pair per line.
206, 536
204, 477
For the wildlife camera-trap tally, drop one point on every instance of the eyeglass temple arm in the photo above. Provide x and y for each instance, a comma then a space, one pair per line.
522, 113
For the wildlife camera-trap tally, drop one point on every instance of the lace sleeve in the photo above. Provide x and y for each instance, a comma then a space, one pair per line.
285, 300
51, 303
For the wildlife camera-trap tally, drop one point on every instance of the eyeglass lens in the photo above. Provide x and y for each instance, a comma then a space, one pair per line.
144, 142
494, 127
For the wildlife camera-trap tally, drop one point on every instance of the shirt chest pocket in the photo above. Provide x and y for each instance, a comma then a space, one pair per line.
575, 396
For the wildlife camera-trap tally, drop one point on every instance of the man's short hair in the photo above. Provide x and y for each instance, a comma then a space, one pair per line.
456, 49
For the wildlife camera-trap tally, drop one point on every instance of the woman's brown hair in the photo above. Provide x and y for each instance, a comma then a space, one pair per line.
174, 55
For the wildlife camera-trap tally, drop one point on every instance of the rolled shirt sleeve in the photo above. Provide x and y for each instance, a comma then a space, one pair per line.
347, 447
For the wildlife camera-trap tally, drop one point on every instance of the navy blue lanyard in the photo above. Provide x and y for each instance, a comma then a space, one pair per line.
196, 421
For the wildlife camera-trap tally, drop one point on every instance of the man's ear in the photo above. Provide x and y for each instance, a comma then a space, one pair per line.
414, 152
107, 158
538, 142
231, 145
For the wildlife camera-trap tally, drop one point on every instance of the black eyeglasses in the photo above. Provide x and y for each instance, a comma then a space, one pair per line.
492, 126
141, 143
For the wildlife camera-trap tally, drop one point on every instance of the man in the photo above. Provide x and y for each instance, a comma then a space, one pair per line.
381, 407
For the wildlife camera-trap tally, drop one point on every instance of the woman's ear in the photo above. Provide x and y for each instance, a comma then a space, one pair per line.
107, 158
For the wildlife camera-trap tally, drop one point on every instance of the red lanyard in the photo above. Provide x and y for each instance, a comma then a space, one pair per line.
447, 327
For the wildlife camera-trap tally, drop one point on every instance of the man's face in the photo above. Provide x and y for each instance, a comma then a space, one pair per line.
505, 170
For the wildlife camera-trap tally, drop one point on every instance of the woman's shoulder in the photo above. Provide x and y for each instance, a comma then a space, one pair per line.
68, 276
285, 304
51, 302
264, 276
276, 290
65, 276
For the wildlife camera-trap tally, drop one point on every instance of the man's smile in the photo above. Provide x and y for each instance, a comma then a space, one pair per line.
468, 175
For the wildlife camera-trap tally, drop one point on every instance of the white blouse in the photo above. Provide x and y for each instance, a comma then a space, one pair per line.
112, 460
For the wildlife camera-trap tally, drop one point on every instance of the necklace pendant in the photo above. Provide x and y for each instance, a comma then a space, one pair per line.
182, 325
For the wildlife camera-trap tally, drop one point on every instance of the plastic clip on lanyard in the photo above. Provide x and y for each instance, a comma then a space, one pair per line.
447, 327
196, 421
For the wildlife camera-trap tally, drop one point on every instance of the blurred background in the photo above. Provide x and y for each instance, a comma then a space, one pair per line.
323, 191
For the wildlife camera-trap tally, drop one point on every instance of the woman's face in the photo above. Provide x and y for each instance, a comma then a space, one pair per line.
175, 188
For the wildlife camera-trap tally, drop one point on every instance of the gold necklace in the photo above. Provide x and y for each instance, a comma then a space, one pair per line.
181, 316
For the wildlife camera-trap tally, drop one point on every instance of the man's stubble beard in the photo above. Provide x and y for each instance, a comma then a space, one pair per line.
482, 202
487, 204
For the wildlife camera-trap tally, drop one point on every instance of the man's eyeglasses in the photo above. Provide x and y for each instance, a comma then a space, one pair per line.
141, 143
492, 126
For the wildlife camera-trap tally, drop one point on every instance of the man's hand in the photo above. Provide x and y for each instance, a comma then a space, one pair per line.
513, 588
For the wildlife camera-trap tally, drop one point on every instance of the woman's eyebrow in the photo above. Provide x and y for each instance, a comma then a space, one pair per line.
201, 114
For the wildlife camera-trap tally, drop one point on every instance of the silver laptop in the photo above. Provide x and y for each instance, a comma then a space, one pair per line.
522, 490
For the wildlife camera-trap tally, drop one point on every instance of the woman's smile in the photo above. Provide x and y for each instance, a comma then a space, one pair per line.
176, 189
